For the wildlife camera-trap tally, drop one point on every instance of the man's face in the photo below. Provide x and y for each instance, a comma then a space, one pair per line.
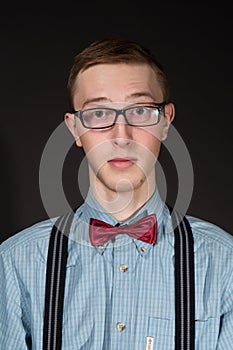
121, 158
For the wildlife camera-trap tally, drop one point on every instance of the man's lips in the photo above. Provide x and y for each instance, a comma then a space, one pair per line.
122, 163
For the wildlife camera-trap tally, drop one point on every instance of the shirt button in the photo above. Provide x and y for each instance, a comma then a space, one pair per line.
101, 247
123, 268
120, 326
143, 250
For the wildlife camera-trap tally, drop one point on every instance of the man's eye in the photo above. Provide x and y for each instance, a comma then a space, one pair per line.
99, 114
140, 110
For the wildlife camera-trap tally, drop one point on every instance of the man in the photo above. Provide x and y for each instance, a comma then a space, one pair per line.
120, 289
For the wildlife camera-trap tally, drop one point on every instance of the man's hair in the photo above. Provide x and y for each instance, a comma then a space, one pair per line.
111, 51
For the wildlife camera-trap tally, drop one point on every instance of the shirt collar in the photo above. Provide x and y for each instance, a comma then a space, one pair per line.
91, 208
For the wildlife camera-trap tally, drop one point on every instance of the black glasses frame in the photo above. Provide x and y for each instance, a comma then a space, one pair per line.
158, 106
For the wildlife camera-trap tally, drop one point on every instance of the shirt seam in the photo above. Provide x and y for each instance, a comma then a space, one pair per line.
8, 250
211, 240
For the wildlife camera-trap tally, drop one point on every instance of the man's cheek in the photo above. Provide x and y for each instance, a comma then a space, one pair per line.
96, 158
154, 133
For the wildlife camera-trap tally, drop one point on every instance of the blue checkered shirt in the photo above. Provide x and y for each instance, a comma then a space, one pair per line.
120, 295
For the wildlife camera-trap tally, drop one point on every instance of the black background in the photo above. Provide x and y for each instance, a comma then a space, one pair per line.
38, 44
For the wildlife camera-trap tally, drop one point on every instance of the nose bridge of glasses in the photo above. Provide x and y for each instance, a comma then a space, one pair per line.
120, 112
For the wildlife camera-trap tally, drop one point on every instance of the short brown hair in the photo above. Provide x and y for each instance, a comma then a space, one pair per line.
115, 50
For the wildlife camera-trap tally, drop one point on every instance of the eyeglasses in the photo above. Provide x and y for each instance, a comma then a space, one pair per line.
139, 115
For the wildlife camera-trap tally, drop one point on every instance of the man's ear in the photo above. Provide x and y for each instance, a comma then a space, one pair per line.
169, 114
70, 121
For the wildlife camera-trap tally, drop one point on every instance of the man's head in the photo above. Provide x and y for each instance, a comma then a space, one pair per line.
118, 74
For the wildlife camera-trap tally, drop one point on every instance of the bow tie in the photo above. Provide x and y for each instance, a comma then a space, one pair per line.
144, 230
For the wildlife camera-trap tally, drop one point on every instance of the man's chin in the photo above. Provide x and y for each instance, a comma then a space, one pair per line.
123, 185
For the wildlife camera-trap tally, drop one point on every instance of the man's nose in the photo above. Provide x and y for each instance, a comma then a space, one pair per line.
122, 132
121, 119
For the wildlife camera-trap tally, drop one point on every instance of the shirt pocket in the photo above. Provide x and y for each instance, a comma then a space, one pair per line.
163, 332
206, 333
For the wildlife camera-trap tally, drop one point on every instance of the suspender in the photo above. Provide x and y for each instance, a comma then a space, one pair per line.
184, 283
55, 283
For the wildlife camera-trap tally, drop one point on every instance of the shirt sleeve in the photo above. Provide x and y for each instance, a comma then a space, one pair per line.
13, 333
225, 340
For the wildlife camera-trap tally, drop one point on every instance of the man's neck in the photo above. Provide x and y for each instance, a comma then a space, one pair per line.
122, 205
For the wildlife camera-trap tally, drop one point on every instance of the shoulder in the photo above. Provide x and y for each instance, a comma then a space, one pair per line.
210, 233
33, 235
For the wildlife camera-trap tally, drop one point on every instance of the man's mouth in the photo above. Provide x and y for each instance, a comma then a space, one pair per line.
122, 163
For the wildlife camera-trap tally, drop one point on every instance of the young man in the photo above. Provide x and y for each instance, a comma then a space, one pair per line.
120, 288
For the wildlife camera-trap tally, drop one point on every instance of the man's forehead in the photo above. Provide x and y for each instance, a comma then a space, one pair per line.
116, 82
105, 72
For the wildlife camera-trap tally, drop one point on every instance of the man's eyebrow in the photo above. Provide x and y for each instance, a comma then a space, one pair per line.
105, 99
96, 99
140, 94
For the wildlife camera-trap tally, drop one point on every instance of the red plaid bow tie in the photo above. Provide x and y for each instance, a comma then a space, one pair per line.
144, 229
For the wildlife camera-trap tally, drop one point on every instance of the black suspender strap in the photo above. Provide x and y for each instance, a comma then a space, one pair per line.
184, 283
55, 283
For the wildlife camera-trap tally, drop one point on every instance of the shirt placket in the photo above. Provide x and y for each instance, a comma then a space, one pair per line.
123, 295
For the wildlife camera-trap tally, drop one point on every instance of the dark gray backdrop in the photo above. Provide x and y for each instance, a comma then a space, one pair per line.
194, 42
